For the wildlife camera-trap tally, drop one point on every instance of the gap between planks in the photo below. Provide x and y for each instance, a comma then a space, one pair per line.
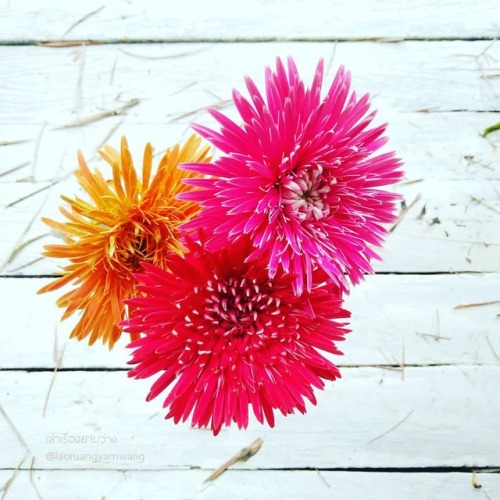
138, 41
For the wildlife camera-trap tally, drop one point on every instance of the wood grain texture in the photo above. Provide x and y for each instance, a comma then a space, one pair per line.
261, 19
437, 146
417, 409
60, 85
454, 228
370, 416
248, 485
396, 320
83, 82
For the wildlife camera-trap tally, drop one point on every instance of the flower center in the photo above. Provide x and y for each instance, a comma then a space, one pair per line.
241, 307
306, 193
137, 251
134, 242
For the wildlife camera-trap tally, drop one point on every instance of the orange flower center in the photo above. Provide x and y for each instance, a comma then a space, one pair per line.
138, 240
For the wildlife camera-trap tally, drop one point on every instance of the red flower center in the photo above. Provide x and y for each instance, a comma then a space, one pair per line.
239, 308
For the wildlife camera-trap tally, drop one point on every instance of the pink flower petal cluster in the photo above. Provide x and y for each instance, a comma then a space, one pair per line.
302, 176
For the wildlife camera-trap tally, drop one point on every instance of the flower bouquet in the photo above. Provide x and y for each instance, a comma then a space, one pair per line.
229, 273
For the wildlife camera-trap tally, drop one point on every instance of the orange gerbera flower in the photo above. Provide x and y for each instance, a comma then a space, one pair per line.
126, 221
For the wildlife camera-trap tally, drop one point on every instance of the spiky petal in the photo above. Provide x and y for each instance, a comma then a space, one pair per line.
224, 337
124, 221
302, 176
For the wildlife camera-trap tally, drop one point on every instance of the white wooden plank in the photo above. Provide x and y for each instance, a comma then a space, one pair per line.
223, 19
60, 85
370, 418
453, 226
445, 247
417, 417
395, 320
435, 145
243, 485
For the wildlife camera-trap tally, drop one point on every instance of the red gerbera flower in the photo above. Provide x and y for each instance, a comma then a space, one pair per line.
299, 177
224, 336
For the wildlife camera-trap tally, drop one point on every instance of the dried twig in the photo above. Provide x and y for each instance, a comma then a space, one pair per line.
411, 181
403, 360
493, 74
170, 56
492, 349
33, 193
19, 200
242, 456
99, 116
37, 148
79, 56
218, 105
428, 110
14, 428
185, 87
422, 213
57, 44
14, 169
475, 483
81, 20
434, 336
322, 478
474, 480
111, 132
389, 40
486, 495
481, 202
58, 363
392, 428
8, 483
472, 161
332, 57
404, 210
32, 479
12, 143
398, 368
477, 304
113, 70
22, 246
23, 266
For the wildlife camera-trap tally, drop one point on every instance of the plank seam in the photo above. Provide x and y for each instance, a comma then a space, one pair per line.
58, 43
382, 366
468, 469
378, 273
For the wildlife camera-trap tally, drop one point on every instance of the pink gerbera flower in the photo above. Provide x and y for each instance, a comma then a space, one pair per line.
223, 336
300, 177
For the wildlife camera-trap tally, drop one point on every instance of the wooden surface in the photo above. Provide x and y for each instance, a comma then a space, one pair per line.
416, 414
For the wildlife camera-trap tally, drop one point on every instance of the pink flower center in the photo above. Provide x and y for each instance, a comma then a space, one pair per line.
306, 193
242, 307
